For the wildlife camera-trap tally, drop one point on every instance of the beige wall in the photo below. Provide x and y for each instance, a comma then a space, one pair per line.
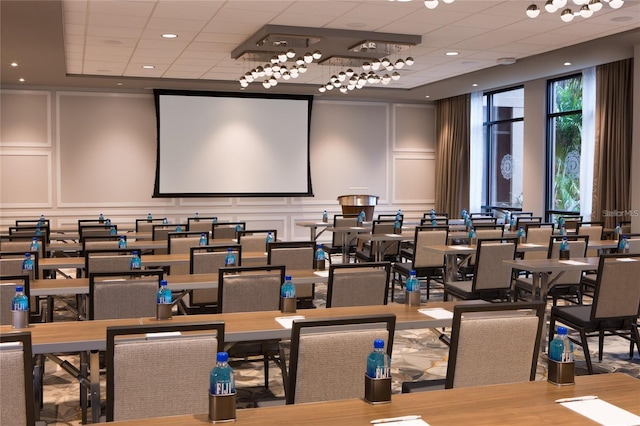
71, 154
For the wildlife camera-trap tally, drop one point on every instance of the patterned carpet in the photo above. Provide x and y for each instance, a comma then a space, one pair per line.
417, 355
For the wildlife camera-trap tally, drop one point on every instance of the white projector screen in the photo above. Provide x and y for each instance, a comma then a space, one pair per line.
214, 144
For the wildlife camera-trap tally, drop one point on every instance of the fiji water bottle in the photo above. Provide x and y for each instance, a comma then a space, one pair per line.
215, 219
197, 217
27, 264
238, 228
325, 217
42, 220
623, 245
522, 235
468, 224
107, 222
230, 258
288, 296
412, 282
473, 238
561, 348
269, 238
617, 231
412, 296
464, 213
122, 242
38, 230
113, 230
178, 228
564, 249
149, 217
507, 220
512, 223
434, 222
20, 308
222, 379
397, 229
399, 215
203, 239
378, 362
165, 221
319, 258
35, 245
164, 294
101, 218
563, 229
432, 213
135, 263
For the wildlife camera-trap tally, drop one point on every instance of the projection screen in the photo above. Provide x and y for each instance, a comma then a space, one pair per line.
216, 144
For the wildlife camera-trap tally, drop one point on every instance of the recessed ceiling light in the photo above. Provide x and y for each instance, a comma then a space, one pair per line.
427, 96
452, 53
475, 84
14, 64
21, 80
566, 64
169, 35
119, 84
148, 67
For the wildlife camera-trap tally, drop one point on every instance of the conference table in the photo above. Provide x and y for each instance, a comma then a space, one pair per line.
523, 404
313, 227
90, 336
345, 232
378, 242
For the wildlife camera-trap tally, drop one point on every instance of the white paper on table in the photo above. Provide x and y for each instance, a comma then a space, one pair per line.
460, 247
437, 313
627, 259
324, 274
417, 422
602, 412
287, 322
572, 262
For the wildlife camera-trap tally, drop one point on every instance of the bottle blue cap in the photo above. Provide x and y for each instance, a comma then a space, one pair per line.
19, 288
378, 344
229, 249
319, 246
222, 357
27, 255
134, 252
203, 234
163, 282
412, 272
287, 277
562, 330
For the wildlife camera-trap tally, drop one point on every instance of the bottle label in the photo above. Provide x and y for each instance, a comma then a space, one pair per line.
27, 266
222, 388
383, 372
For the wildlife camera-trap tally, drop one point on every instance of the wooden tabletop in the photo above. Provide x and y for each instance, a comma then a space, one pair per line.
75, 336
47, 287
523, 404
551, 265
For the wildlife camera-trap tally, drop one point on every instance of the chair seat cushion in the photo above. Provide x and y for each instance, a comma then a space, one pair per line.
580, 316
403, 268
460, 289
423, 385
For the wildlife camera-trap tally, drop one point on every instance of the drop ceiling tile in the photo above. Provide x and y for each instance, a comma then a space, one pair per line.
121, 7
116, 20
197, 10
109, 31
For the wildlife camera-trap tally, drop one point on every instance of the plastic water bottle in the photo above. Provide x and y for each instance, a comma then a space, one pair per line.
617, 231
107, 222
512, 222
288, 289
325, 217
113, 230
434, 222
319, 258
215, 219
464, 213
361, 217
27, 264
164, 294
412, 281
397, 229
35, 245
378, 362
563, 230
42, 220
561, 348
399, 215
564, 245
122, 242
165, 221
238, 228
230, 258
522, 235
197, 217
135, 263
101, 218
20, 301
222, 380
149, 217
472, 236
178, 228
203, 239
623, 245
38, 231
468, 224
269, 238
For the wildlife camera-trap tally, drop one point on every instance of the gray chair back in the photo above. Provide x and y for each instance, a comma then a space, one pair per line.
294, 255
7, 291
538, 236
494, 343
490, 272
11, 264
135, 390
429, 236
115, 260
617, 293
209, 260
249, 288
358, 284
16, 376
226, 230
577, 248
181, 243
329, 357
123, 295
595, 232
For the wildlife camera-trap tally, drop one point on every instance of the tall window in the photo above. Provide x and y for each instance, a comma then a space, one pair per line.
564, 145
503, 140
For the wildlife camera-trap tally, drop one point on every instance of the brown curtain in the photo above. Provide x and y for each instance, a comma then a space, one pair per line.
612, 162
452, 154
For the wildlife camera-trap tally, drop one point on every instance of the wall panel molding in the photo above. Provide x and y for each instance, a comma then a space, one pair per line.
26, 179
25, 118
414, 179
